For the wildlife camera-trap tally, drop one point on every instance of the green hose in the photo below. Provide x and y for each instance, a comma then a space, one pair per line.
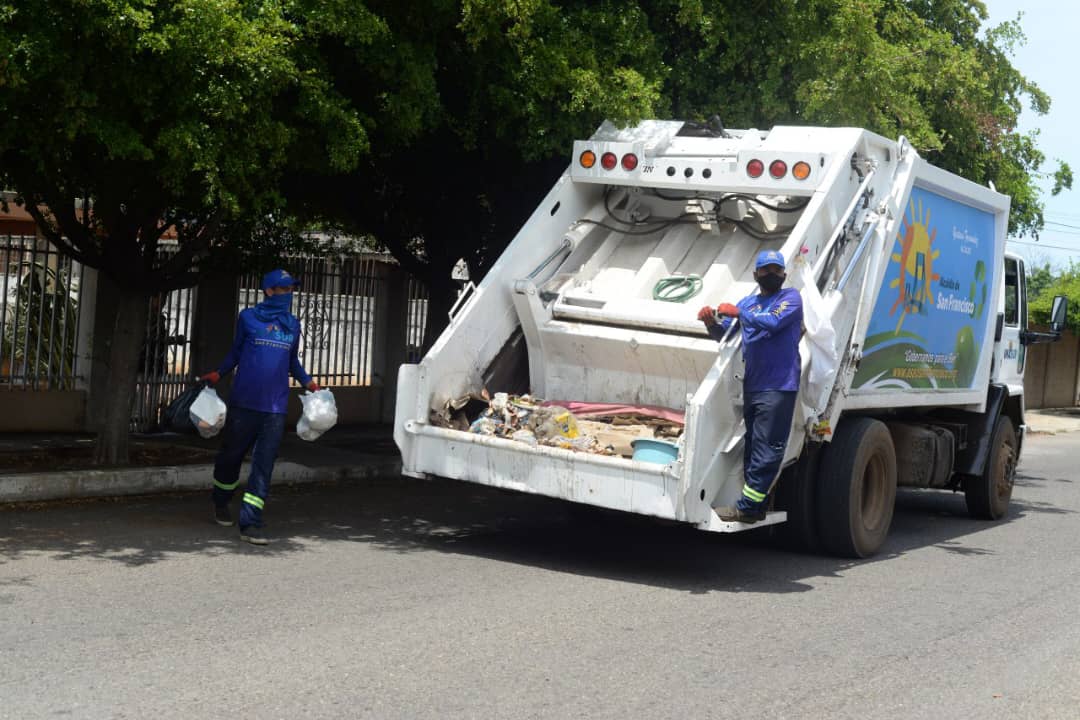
677, 288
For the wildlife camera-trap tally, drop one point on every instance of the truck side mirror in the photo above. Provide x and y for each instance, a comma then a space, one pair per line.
1058, 314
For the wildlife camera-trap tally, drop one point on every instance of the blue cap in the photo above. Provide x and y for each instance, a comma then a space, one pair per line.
769, 257
279, 278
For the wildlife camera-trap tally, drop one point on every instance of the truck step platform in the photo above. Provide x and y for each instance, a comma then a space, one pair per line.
718, 525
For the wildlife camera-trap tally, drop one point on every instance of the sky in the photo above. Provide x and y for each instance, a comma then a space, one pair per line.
1046, 59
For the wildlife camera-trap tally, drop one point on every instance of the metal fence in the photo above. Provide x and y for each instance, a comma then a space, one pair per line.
165, 360
339, 307
39, 315
416, 320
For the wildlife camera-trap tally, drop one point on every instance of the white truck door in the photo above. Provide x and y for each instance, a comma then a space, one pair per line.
1012, 353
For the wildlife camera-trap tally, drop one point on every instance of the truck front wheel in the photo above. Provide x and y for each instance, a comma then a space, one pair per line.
856, 488
988, 495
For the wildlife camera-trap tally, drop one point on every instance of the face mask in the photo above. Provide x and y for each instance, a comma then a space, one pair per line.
279, 302
770, 283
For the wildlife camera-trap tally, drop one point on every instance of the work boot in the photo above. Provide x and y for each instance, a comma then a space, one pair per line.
734, 514
222, 516
253, 535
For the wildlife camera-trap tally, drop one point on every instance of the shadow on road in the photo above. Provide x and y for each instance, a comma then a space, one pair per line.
407, 516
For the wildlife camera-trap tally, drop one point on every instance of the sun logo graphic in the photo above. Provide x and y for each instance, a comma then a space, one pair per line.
915, 269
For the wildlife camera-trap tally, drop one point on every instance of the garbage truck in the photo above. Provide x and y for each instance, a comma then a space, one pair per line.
913, 347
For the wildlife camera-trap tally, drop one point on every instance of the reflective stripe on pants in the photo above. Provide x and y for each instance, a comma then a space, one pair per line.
261, 433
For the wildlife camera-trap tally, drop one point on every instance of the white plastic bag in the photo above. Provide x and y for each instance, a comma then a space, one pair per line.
820, 336
208, 413
320, 414
304, 430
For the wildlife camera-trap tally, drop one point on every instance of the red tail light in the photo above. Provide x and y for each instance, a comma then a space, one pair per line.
629, 161
755, 168
778, 169
608, 160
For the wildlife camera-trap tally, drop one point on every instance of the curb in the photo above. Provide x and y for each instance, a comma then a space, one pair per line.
143, 481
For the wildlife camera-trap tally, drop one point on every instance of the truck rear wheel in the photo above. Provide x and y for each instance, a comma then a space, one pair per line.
856, 488
988, 495
796, 494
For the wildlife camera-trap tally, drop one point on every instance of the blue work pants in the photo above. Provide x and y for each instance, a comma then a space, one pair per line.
246, 430
767, 415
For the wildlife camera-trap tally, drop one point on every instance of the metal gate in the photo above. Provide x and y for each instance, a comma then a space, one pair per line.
165, 359
416, 320
339, 309
39, 315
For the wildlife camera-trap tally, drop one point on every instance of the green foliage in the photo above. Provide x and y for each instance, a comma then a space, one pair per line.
168, 114
1067, 283
503, 88
447, 119
1040, 277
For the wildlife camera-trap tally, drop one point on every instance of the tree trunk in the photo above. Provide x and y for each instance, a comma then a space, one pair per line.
129, 332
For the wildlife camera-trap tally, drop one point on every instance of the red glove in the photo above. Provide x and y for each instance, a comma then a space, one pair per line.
727, 309
313, 386
211, 377
707, 315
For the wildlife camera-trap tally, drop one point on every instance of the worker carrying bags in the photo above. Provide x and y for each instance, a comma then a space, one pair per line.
320, 414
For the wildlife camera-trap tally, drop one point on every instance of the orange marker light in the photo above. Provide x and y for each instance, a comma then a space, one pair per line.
801, 170
587, 159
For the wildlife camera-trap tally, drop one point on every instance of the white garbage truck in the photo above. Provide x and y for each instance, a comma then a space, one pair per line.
913, 350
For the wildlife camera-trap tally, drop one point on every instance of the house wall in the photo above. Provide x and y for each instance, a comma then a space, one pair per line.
42, 410
1051, 373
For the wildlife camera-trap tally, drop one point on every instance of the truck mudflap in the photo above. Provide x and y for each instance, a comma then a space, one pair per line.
972, 459
608, 482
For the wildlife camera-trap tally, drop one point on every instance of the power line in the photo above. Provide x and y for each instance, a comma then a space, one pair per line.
1073, 227
1044, 245
1062, 214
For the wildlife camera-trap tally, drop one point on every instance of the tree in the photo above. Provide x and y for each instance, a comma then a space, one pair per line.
1039, 280
124, 120
509, 86
1066, 283
506, 88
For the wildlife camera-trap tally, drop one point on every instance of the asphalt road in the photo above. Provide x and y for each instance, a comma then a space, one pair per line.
408, 599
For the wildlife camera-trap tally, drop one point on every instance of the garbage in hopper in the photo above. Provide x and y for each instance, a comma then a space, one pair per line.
609, 429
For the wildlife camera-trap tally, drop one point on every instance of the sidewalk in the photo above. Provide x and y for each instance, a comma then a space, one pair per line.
343, 453
1051, 421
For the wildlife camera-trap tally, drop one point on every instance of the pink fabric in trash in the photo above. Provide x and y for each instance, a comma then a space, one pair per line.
595, 409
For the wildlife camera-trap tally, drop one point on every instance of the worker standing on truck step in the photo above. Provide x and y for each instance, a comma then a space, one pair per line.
265, 349
771, 322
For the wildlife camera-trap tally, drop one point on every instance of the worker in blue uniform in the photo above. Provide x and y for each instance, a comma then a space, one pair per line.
771, 324
264, 355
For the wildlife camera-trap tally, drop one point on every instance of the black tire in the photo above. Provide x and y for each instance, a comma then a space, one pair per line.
988, 495
796, 495
856, 488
